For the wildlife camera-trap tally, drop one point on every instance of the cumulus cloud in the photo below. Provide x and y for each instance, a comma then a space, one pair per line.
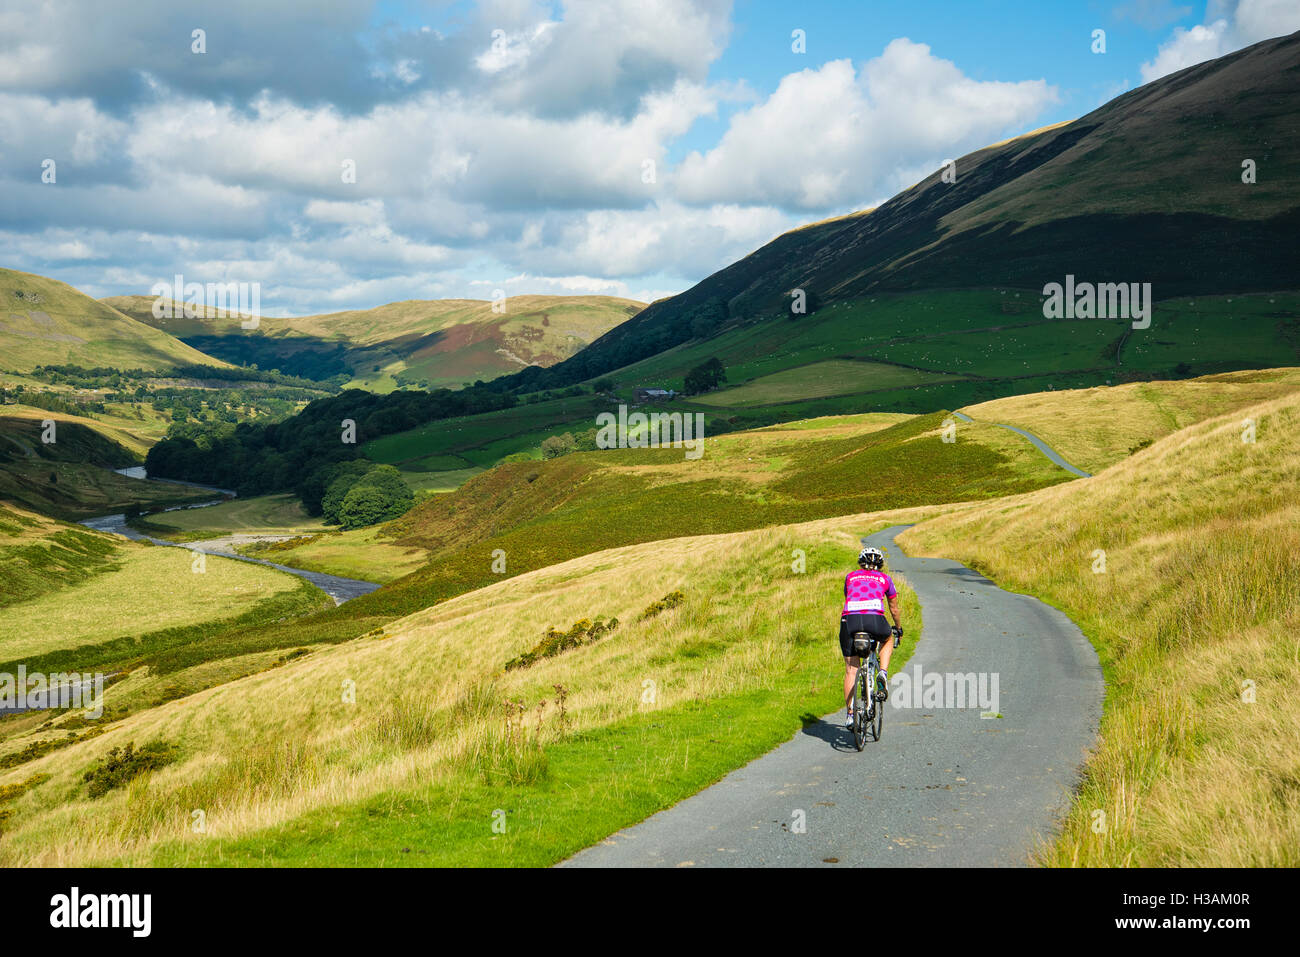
1229, 26
836, 134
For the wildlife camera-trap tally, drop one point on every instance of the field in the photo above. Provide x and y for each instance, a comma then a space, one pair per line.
263, 514
1193, 612
483, 440
157, 585
288, 772
815, 381
364, 553
68, 600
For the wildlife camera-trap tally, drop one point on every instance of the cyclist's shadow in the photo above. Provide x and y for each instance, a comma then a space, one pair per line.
837, 736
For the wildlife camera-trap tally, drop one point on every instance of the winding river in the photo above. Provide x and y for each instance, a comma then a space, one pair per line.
339, 588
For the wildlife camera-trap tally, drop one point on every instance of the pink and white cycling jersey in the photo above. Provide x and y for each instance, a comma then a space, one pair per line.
865, 591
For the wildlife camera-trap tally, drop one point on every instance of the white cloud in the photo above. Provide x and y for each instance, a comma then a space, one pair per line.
1234, 26
835, 135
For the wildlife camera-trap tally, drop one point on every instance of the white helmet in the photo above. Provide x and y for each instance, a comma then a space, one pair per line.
871, 557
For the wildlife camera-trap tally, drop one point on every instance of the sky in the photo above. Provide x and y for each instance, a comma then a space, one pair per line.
347, 153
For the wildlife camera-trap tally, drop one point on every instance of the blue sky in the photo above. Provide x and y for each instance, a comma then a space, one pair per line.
623, 147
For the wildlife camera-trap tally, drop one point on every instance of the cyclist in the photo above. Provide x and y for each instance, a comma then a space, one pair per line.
867, 591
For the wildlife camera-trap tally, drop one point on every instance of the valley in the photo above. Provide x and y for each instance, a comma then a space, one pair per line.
389, 595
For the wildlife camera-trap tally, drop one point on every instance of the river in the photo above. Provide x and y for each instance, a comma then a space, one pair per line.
339, 588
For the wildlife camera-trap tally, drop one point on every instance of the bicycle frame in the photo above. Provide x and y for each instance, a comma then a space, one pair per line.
867, 710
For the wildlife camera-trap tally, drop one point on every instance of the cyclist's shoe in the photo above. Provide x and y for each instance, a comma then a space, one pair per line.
848, 720
882, 686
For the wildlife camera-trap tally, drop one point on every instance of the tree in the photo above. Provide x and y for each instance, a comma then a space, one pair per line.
345, 476
553, 446
603, 384
705, 376
363, 505
380, 495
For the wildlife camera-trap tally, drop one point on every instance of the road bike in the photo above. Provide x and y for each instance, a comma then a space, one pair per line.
868, 703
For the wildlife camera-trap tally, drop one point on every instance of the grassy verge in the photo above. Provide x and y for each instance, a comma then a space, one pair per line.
1180, 564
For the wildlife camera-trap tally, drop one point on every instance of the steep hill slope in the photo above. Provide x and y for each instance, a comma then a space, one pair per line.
435, 343
46, 322
1147, 188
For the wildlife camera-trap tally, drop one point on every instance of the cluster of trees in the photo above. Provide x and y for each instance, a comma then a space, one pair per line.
554, 446
257, 458
100, 377
356, 493
49, 401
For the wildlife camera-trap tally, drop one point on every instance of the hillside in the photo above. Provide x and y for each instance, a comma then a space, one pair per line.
1147, 188
539, 513
46, 322
435, 343
1095, 428
72, 477
1193, 612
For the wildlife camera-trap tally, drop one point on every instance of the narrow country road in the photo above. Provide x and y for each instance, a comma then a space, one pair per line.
1039, 444
943, 787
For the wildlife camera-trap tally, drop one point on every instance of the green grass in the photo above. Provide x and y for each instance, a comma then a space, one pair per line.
597, 783
46, 322
815, 381
269, 514
39, 556
154, 585
483, 440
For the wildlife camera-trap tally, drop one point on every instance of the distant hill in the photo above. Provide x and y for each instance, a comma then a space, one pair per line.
47, 322
432, 343
1147, 188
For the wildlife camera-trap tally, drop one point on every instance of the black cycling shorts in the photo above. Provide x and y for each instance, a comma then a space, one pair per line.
875, 625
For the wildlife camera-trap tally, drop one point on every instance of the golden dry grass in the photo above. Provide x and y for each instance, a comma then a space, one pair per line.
264, 749
153, 584
1196, 606
1095, 428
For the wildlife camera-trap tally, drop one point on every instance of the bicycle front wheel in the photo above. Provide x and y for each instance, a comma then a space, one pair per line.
861, 701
